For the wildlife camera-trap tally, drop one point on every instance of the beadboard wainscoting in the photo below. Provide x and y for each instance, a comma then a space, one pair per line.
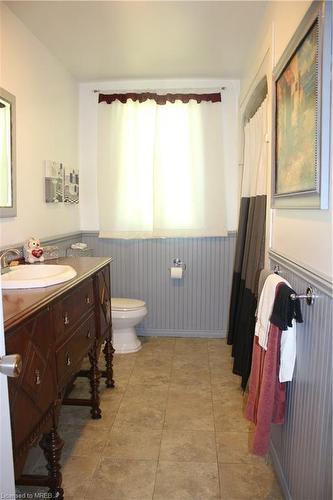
195, 306
301, 449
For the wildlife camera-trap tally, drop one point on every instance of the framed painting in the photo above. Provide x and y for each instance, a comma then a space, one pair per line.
301, 114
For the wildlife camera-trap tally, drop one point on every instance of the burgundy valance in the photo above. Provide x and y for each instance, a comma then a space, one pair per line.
159, 98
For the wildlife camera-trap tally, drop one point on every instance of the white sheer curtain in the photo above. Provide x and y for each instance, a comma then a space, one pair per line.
160, 171
254, 180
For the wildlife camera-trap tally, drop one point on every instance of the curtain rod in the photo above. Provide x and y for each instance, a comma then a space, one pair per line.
253, 79
96, 91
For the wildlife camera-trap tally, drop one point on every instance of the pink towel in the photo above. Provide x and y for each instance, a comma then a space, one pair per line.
266, 401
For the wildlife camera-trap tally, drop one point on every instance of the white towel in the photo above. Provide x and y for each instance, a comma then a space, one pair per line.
288, 337
265, 308
288, 353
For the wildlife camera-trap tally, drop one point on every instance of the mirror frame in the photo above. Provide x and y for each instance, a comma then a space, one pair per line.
10, 98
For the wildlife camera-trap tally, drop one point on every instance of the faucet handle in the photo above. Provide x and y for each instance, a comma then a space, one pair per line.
3, 255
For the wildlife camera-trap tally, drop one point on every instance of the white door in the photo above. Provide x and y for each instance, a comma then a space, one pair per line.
7, 487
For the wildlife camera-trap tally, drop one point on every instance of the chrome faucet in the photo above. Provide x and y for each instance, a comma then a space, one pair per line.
3, 258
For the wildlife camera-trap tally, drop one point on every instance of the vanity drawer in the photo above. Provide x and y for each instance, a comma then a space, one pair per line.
70, 310
71, 353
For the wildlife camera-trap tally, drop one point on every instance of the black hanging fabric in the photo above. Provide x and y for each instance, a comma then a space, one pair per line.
249, 261
250, 245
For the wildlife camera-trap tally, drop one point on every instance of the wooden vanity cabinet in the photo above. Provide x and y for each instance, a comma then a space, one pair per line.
33, 394
53, 340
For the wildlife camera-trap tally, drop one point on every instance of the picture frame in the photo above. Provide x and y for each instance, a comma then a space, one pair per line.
53, 181
71, 187
301, 99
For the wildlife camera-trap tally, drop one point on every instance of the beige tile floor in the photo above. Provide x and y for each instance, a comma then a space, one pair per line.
172, 429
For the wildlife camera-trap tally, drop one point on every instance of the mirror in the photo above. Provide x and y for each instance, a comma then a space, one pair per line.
7, 155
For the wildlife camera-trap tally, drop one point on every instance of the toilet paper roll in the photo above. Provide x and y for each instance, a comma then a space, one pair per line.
176, 273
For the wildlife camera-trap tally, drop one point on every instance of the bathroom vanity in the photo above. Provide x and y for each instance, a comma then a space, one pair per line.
54, 329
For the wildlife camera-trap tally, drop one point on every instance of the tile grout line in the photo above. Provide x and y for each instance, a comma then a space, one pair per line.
92, 476
163, 426
215, 437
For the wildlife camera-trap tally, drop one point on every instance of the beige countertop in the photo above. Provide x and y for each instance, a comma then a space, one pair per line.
20, 304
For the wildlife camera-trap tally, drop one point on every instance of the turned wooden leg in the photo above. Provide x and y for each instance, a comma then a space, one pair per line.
108, 354
94, 377
52, 445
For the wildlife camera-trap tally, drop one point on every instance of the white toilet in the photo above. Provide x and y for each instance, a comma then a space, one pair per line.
126, 313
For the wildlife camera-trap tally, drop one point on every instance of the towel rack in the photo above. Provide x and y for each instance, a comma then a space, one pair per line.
309, 296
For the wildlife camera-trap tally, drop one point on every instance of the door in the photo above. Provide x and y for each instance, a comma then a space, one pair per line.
7, 487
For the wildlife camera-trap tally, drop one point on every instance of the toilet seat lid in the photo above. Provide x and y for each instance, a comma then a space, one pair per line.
124, 304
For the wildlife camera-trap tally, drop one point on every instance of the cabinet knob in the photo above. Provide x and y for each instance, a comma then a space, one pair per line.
68, 359
11, 365
87, 299
37, 375
89, 334
66, 319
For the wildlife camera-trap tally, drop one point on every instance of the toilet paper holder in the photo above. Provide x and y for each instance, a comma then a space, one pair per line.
177, 262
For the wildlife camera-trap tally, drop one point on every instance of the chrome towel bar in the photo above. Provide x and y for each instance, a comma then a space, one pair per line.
309, 296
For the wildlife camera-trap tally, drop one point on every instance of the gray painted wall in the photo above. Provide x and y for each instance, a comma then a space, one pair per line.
197, 305
302, 447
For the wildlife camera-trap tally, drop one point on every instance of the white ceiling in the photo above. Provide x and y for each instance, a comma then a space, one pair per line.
98, 40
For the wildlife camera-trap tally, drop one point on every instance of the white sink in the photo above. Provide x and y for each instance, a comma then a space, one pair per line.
36, 276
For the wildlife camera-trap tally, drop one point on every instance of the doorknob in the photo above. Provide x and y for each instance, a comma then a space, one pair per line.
11, 365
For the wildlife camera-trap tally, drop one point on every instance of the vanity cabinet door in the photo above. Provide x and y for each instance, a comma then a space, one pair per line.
104, 300
71, 352
71, 309
33, 393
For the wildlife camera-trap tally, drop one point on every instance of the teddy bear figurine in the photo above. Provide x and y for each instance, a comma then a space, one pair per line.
32, 251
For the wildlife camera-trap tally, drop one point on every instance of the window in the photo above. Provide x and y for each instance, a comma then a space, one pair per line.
160, 171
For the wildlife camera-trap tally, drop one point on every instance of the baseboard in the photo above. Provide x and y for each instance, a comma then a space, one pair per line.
279, 472
209, 334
